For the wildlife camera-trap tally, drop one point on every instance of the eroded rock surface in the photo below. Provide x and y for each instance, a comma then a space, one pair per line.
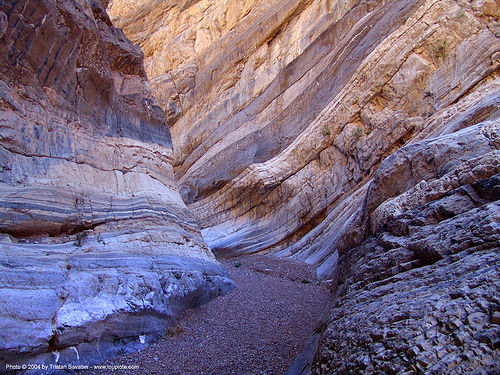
420, 295
98, 252
283, 110
358, 136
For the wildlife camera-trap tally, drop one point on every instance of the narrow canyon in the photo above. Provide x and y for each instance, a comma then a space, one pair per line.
165, 163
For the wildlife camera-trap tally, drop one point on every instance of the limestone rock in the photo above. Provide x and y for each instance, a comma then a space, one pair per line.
358, 136
418, 293
422, 301
98, 252
282, 111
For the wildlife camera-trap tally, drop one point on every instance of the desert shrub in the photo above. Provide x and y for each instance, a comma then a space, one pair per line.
177, 331
440, 48
358, 133
326, 131
79, 239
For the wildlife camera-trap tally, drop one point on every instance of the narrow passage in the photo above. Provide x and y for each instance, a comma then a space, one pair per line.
258, 328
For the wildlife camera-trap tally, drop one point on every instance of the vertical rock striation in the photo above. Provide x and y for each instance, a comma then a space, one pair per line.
98, 251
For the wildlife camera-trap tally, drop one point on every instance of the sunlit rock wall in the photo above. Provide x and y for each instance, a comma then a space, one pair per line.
282, 111
358, 136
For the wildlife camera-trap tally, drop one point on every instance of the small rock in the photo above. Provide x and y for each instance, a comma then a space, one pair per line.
495, 317
441, 352
424, 361
413, 351
460, 337
491, 337
4, 23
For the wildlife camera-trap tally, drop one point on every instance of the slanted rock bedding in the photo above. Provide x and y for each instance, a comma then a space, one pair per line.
361, 137
282, 111
97, 247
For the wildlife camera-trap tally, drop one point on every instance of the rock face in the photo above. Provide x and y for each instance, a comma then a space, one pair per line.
98, 252
282, 111
358, 136
420, 295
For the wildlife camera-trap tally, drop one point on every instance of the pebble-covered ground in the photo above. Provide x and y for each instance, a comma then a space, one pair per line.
258, 328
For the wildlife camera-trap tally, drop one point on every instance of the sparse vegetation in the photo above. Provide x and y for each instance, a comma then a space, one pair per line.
173, 332
368, 131
79, 239
344, 5
358, 132
304, 281
441, 48
237, 264
100, 239
326, 131
460, 13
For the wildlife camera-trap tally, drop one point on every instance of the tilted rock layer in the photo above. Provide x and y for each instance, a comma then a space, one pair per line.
281, 111
98, 251
358, 136
421, 294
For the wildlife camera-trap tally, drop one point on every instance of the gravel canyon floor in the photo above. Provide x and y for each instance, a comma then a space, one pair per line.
140, 139
258, 328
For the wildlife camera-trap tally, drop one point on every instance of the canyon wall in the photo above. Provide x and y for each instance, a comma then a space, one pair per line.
98, 252
420, 294
358, 136
281, 112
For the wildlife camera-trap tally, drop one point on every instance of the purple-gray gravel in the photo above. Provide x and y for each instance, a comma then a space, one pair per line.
258, 328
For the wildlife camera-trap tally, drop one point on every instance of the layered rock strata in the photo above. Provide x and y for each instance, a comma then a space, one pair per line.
98, 251
358, 136
420, 294
282, 111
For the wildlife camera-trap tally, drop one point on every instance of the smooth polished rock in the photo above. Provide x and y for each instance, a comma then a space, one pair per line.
98, 252
281, 112
358, 136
